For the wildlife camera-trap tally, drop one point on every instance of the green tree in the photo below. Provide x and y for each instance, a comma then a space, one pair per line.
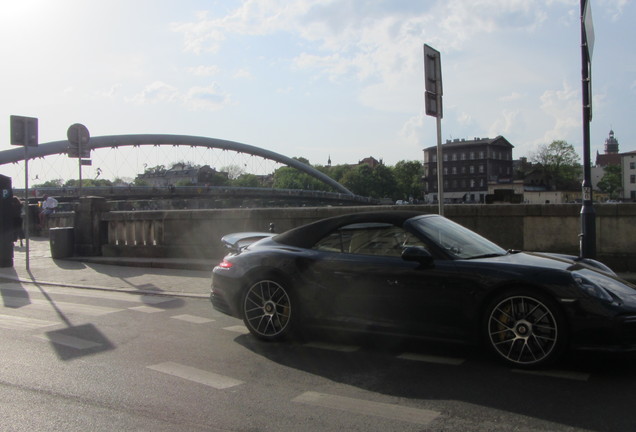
560, 164
290, 178
377, 182
408, 178
50, 183
246, 180
611, 182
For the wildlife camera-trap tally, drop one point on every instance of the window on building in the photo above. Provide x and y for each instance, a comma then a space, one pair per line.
454, 156
454, 170
445, 170
632, 165
434, 158
632, 179
463, 156
472, 169
463, 170
481, 155
481, 169
472, 155
445, 157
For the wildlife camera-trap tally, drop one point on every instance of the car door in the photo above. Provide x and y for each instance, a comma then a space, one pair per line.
365, 284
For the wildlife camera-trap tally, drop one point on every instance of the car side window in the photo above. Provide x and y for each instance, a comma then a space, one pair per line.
369, 239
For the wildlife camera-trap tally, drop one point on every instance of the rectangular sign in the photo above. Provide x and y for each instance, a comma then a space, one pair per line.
24, 131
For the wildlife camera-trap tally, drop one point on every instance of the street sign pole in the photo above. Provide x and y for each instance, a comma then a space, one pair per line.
433, 105
587, 238
24, 132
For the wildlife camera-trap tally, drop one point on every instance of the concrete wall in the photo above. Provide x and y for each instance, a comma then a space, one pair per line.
197, 233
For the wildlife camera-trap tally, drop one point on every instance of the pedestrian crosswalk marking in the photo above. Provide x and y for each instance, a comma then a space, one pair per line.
237, 329
200, 376
91, 293
23, 323
370, 408
146, 309
192, 319
48, 305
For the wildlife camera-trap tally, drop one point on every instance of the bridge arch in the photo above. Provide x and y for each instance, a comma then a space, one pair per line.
112, 141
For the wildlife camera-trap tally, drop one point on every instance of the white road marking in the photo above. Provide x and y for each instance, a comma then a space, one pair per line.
92, 293
69, 341
237, 329
192, 319
332, 347
571, 375
66, 307
22, 323
146, 309
211, 379
377, 409
432, 359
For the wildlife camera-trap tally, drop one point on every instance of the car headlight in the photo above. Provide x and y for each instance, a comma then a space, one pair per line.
592, 288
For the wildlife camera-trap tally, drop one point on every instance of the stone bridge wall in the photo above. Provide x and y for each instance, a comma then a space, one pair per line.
196, 233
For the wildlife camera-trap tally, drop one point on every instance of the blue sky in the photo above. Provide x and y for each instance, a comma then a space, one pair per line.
317, 78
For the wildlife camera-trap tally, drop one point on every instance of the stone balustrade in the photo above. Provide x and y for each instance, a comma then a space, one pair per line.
197, 233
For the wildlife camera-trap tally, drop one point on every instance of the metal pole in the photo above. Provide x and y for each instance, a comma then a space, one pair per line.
79, 160
26, 194
440, 173
588, 221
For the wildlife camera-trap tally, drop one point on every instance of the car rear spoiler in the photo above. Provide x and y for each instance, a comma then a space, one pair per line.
238, 241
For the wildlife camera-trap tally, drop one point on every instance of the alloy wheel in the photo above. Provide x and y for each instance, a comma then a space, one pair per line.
523, 330
267, 309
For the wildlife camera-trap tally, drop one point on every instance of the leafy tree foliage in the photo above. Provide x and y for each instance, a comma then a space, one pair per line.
246, 180
408, 177
58, 183
560, 164
611, 183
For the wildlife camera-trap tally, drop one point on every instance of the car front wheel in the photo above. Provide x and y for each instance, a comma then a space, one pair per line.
525, 329
267, 310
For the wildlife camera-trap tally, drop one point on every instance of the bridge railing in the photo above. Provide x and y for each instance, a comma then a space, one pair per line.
196, 233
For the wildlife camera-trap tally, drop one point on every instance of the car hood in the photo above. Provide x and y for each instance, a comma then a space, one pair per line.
539, 263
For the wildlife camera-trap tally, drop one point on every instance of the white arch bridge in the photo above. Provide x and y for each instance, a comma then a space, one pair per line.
113, 141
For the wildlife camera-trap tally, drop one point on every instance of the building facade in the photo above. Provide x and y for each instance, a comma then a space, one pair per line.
469, 166
628, 169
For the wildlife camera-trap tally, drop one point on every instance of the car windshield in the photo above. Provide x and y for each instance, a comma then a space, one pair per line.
457, 241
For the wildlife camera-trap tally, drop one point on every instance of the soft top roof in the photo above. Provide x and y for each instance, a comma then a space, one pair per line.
307, 235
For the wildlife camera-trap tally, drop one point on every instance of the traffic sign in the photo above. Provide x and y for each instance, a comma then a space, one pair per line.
24, 131
78, 137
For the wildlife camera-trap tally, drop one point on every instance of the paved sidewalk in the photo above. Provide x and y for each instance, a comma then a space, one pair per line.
180, 277
147, 276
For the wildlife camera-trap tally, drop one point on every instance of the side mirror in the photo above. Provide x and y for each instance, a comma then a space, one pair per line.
419, 255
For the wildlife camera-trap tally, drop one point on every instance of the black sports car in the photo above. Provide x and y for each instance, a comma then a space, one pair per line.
409, 274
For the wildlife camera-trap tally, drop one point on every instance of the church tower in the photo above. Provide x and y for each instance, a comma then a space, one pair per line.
611, 144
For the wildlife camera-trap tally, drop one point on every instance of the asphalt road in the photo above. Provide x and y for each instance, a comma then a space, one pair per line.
79, 360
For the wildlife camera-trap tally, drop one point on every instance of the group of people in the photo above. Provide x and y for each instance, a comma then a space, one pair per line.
49, 204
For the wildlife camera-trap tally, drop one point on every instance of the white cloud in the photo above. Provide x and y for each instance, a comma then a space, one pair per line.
204, 70
206, 98
242, 74
156, 92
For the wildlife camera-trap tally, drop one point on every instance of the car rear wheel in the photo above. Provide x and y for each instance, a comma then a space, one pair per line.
525, 329
267, 309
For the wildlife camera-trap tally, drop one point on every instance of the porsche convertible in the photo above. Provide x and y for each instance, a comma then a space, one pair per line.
423, 276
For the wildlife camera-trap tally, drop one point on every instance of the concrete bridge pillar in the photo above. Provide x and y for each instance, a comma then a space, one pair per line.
90, 232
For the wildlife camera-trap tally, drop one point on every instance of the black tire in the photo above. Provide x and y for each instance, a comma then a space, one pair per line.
268, 309
525, 329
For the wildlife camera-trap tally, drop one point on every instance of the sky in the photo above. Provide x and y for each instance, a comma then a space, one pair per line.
318, 79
